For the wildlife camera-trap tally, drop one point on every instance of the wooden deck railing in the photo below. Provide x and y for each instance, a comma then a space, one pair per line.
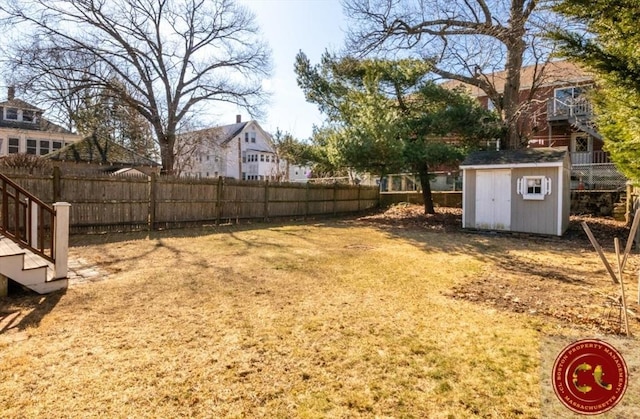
26, 220
571, 108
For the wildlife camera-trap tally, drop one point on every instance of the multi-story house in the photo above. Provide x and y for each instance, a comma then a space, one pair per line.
556, 112
242, 151
23, 129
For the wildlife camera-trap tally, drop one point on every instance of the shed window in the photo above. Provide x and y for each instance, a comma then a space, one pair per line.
534, 187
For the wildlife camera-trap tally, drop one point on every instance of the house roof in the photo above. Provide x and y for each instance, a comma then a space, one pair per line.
261, 149
42, 124
555, 73
19, 103
536, 156
222, 134
100, 151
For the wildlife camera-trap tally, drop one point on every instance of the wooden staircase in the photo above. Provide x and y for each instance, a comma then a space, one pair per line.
34, 239
28, 269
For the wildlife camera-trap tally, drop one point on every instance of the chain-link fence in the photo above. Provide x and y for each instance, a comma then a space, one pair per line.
603, 176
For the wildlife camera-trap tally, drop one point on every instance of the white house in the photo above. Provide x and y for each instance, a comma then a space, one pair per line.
23, 129
242, 151
299, 173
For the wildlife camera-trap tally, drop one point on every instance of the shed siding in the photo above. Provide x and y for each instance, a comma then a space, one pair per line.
531, 216
566, 198
469, 198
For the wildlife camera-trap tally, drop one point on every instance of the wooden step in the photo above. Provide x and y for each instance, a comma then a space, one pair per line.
28, 269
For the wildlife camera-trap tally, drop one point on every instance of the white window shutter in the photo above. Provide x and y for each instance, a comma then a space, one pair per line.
547, 183
519, 186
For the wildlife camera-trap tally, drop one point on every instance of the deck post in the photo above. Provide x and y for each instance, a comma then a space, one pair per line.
33, 225
61, 243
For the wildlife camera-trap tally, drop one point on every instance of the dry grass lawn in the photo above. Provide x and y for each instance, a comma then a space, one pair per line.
338, 319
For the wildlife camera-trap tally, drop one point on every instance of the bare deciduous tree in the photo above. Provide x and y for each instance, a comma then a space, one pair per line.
466, 40
169, 57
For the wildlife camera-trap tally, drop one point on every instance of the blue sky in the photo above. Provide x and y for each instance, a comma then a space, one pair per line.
290, 26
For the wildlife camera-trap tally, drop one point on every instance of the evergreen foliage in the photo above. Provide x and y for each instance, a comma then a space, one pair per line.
385, 116
606, 40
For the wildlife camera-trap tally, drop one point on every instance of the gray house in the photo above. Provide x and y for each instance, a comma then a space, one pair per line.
524, 190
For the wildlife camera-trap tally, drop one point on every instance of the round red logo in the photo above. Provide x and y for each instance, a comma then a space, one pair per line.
590, 376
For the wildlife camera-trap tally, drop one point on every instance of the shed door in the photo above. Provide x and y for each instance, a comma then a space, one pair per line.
493, 199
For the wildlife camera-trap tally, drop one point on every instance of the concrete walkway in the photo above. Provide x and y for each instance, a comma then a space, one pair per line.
82, 271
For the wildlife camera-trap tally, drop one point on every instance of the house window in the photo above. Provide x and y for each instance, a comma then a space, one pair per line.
246, 137
571, 100
57, 145
261, 157
534, 187
14, 145
582, 144
32, 147
28, 116
490, 105
569, 94
44, 147
11, 114
253, 137
244, 176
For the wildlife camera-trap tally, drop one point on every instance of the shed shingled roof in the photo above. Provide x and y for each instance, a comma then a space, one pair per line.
513, 157
100, 151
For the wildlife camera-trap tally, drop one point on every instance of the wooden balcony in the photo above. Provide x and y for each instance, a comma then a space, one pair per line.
558, 110
590, 157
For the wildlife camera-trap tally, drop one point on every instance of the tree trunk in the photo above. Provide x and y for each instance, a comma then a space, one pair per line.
423, 173
167, 155
513, 66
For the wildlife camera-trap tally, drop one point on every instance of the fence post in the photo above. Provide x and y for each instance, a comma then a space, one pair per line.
306, 202
628, 205
57, 190
335, 197
266, 200
219, 200
152, 201
61, 244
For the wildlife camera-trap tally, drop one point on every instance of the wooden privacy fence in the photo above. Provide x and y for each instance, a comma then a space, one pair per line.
106, 202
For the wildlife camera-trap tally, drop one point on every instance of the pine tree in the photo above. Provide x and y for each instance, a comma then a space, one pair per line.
605, 38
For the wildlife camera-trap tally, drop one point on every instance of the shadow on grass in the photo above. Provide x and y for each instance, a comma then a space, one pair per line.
79, 240
439, 232
36, 307
443, 232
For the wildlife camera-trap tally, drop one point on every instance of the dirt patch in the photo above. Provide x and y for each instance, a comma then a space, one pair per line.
539, 283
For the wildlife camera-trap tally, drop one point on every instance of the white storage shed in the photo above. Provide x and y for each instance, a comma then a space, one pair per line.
525, 190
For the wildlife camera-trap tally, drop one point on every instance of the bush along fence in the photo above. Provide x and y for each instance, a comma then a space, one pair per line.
129, 203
